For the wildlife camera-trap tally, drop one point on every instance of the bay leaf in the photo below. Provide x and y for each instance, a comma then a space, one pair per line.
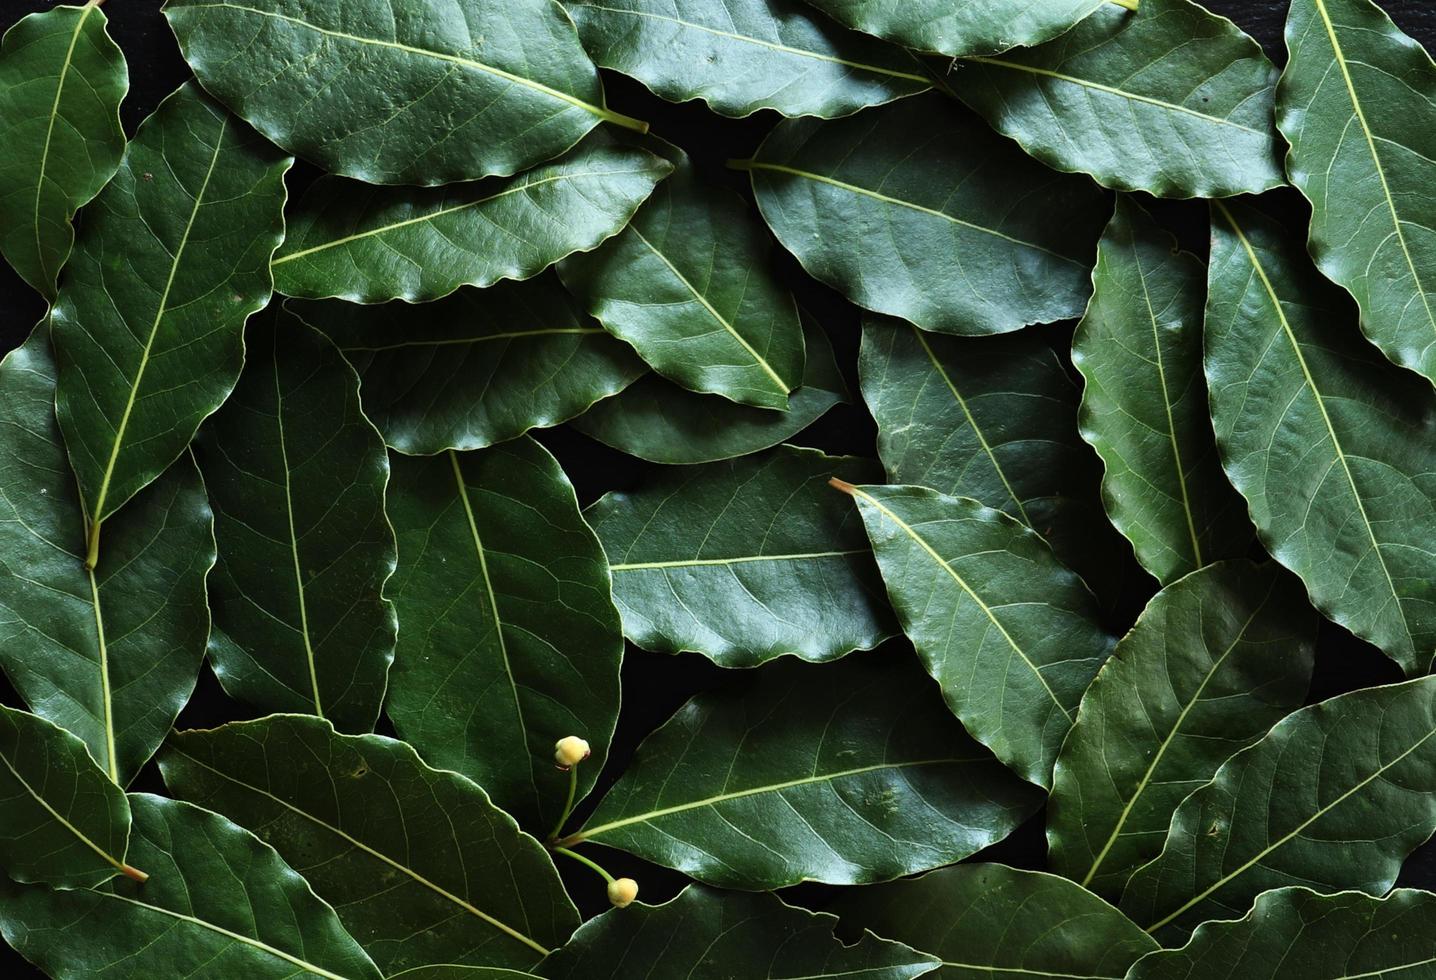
964, 28
1171, 99
421, 866
1144, 405
510, 639
368, 244
744, 560
1356, 105
447, 92
740, 56
1329, 444
148, 327
1334, 797
219, 904
1214, 661
918, 210
476, 368
61, 83
296, 476
452, 971
1012, 637
842, 773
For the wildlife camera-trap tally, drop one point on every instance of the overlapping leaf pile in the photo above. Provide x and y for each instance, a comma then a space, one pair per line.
289, 439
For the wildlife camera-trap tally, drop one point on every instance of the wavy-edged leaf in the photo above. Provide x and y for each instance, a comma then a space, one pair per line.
962, 28
1329, 444
110, 654
1214, 661
432, 94
1012, 637
420, 865
989, 920
296, 477
877, 206
745, 560
657, 420
476, 368
740, 56
510, 639
687, 284
1171, 99
148, 328
219, 904
1335, 796
705, 934
1296, 934
61, 83
368, 244
1357, 103
1144, 405
65, 823
844, 773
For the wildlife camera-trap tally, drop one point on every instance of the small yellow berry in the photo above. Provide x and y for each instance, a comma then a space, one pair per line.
622, 892
569, 751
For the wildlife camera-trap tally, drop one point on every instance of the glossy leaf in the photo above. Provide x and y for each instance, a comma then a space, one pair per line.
1296, 934
421, 866
219, 903
958, 29
171, 259
687, 284
452, 971
1144, 405
477, 368
110, 654
740, 56
1011, 635
296, 476
710, 935
66, 824
510, 639
370, 244
1171, 99
987, 920
876, 206
1336, 796
1327, 441
842, 773
1215, 660
744, 560
61, 83
656, 420
453, 91
1357, 103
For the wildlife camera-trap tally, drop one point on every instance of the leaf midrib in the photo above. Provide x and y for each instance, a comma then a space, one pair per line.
464, 341
112, 766
740, 560
104, 855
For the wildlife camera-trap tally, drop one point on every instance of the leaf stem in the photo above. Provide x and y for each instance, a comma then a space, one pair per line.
1129, 4
568, 805
92, 547
581, 859
628, 122
132, 873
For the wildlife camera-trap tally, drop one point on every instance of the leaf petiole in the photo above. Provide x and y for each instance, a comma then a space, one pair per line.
581, 859
568, 805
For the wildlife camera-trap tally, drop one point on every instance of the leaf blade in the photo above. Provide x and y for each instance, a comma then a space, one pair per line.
984, 27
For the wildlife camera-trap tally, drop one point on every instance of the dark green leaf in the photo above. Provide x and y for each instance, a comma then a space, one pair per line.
876, 206
510, 640
421, 866
1327, 441
1010, 634
844, 773
451, 971
219, 905
369, 244
962, 28
740, 56
425, 95
477, 368
1171, 99
987, 920
745, 560
296, 476
171, 259
1216, 659
1144, 407
1358, 105
61, 83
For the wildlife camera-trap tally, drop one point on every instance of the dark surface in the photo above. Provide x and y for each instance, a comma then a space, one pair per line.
656, 685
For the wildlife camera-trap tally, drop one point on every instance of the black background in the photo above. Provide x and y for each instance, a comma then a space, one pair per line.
656, 685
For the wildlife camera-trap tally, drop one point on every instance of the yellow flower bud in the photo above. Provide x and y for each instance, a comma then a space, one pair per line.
622, 892
569, 751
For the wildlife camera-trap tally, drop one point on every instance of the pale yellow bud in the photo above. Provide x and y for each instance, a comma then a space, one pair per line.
569, 751
622, 892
